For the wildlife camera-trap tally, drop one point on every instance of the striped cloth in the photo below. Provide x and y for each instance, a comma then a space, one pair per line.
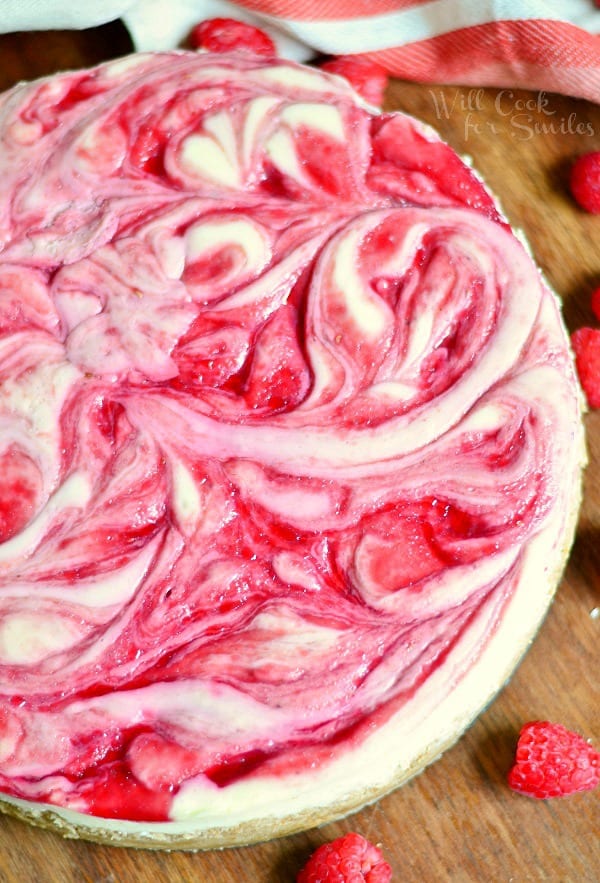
536, 44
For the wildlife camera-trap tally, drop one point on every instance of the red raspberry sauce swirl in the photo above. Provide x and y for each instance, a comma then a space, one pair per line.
282, 404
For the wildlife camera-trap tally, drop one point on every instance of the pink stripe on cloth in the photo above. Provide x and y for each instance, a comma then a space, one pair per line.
327, 10
551, 55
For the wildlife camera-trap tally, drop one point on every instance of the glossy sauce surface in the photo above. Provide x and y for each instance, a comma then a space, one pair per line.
282, 403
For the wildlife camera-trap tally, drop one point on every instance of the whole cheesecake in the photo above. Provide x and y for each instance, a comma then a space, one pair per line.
290, 446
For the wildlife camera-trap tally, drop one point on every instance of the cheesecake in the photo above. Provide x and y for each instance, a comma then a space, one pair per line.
290, 445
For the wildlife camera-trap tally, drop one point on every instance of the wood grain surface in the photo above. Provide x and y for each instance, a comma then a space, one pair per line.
458, 821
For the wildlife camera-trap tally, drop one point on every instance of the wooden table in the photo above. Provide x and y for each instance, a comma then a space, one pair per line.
458, 821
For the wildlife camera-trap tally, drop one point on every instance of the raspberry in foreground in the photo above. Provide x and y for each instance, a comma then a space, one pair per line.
586, 346
585, 182
367, 78
552, 761
349, 859
230, 35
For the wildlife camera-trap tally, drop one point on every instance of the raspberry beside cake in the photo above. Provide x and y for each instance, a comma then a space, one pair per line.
290, 443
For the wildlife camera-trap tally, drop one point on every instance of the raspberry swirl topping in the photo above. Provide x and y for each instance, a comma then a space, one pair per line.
283, 402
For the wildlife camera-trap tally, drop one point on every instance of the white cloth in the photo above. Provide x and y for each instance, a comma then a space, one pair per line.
42, 15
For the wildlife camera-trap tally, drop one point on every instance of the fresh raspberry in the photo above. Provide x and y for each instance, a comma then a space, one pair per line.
596, 298
368, 78
349, 859
551, 761
586, 346
585, 182
229, 35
